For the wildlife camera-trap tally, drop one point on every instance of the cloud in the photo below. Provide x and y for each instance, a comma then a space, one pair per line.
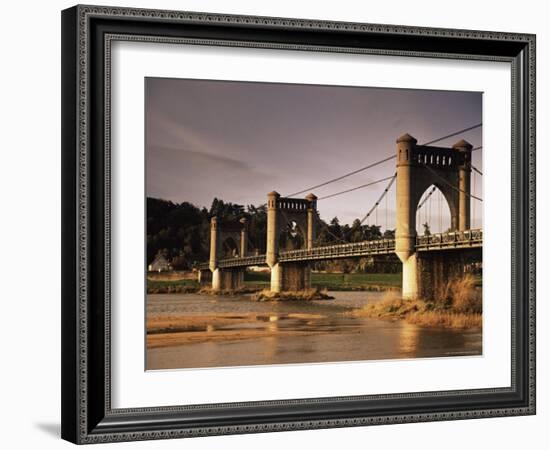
238, 141
179, 174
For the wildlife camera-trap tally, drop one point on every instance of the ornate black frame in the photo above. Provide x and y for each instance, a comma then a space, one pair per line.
87, 416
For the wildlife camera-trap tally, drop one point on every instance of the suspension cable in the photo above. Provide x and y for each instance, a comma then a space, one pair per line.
361, 169
421, 204
379, 199
439, 202
355, 188
251, 245
227, 248
429, 218
473, 206
343, 176
383, 179
426, 212
417, 216
288, 221
328, 229
473, 127
449, 184
386, 208
476, 169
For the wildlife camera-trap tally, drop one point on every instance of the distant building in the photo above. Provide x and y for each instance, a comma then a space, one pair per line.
160, 264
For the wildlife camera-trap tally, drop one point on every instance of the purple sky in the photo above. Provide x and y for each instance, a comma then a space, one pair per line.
238, 141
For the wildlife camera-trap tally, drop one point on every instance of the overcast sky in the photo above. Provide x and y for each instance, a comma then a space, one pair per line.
238, 141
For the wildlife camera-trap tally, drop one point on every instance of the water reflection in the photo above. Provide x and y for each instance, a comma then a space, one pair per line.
234, 331
409, 336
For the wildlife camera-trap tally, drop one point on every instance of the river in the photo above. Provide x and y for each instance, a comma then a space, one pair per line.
195, 331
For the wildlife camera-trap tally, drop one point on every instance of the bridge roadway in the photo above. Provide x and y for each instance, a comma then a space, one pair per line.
453, 240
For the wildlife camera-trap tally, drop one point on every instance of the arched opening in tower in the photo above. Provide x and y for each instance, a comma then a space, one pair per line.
433, 212
292, 237
229, 249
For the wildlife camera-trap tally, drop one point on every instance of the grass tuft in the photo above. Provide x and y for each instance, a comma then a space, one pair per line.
457, 305
445, 319
307, 295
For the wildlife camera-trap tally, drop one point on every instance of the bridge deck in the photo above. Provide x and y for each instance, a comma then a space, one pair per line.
453, 240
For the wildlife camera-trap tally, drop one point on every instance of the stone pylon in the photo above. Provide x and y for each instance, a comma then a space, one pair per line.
464, 175
405, 233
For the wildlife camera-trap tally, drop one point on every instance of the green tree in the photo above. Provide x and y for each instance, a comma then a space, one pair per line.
356, 232
335, 229
372, 232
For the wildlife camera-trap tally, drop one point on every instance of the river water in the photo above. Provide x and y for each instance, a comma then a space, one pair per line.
219, 331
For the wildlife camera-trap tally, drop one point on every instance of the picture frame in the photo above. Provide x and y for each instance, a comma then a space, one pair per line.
87, 412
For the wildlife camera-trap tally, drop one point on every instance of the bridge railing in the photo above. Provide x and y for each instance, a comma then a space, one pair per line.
365, 248
438, 241
450, 239
254, 260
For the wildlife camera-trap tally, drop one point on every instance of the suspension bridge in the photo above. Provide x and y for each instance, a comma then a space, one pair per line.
429, 261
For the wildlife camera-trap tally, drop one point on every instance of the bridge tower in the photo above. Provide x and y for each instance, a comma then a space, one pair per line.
231, 239
419, 167
283, 212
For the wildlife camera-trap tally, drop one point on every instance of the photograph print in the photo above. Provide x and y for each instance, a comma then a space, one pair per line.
299, 224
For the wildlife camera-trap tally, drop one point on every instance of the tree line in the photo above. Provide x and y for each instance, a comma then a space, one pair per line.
181, 232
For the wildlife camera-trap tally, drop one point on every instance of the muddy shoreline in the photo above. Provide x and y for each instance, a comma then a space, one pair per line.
193, 331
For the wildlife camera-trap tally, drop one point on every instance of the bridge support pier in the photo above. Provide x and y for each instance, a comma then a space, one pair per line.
410, 285
276, 284
227, 279
427, 275
290, 277
435, 270
205, 277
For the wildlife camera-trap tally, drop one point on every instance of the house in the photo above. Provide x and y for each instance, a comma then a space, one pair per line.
160, 264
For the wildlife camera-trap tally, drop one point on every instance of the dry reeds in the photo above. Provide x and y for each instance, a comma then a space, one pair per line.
445, 319
391, 306
457, 305
463, 295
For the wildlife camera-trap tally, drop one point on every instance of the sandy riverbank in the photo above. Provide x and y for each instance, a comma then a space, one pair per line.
178, 329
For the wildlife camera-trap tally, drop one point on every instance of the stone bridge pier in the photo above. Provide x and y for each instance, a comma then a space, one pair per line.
435, 269
205, 278
222, 279
290, 277
280, 213
227, 279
